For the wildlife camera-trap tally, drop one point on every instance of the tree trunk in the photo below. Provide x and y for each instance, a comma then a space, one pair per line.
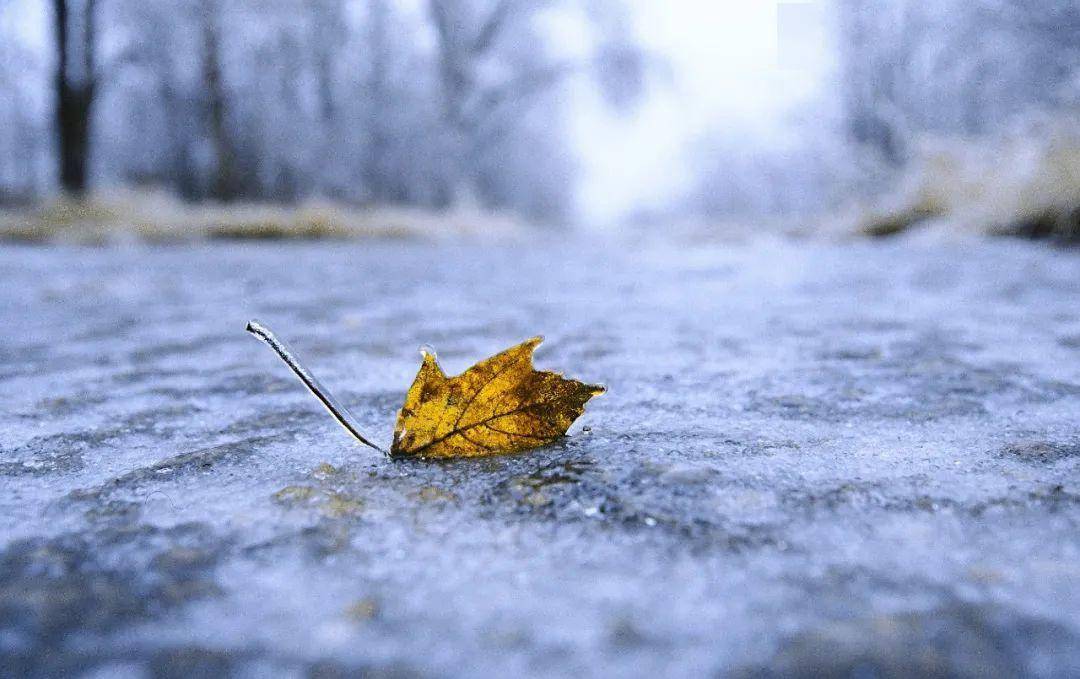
74, 121
374, 169
74, 97
225, 185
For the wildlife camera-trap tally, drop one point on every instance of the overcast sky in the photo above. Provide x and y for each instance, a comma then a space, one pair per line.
735, 64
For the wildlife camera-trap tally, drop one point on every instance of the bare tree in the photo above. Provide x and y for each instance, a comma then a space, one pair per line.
951, 66
376, 170
226, 183
21, 143
369, 100
75, 88
493, 67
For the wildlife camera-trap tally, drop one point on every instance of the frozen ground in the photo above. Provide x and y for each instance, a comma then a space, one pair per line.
853, 460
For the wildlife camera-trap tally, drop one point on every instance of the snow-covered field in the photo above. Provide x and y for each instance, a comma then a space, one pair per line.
811, 459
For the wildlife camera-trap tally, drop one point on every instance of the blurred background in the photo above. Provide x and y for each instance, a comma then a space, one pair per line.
327, 117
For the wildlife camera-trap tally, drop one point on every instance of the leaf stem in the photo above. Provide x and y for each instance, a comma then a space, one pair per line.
325, 397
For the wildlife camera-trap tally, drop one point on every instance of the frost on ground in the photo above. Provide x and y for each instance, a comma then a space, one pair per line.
812, 459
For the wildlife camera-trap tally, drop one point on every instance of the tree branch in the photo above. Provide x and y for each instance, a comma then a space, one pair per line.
528, 84
489, 31
90, 43
440, 16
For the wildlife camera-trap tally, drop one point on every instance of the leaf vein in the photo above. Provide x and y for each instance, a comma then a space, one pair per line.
456, 432
514, 433
485, 385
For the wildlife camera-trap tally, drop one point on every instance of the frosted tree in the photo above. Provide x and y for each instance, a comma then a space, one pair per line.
370, 101
952, 66
494, 68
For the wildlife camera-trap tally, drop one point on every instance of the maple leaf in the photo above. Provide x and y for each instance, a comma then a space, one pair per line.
500, 405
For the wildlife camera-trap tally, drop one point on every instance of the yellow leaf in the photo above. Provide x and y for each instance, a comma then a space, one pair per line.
500, 405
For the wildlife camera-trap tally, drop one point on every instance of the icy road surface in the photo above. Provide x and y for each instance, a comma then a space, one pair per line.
812, 459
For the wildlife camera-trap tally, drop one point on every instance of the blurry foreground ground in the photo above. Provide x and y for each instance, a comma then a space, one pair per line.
812, 459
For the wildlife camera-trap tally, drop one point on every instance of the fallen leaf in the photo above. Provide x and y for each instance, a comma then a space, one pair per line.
500, 405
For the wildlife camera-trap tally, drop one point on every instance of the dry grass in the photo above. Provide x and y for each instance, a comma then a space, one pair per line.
1026, 183
159, 218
